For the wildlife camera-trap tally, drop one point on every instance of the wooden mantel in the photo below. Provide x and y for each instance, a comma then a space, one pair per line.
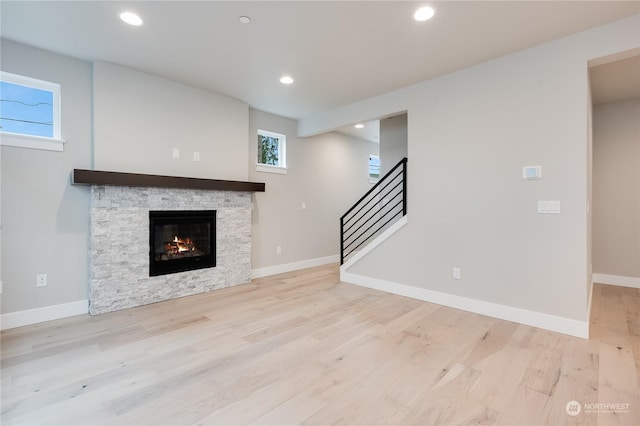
98, 177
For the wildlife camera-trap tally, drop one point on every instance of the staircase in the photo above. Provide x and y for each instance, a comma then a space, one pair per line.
375, 212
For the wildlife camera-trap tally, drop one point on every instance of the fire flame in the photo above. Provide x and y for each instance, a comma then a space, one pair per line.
183, 245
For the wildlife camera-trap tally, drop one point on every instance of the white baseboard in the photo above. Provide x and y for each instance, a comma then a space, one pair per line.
294, 266
616, 280
509, 313
48, 313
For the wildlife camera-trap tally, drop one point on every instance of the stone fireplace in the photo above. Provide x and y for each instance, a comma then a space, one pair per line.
121, 226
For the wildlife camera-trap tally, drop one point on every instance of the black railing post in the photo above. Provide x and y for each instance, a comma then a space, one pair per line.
404, 187
341, 241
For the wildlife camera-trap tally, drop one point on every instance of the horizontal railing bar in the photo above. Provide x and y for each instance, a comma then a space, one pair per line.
401, 162
385, 224
371, 217
350, 241
371, 199
381, 217
381, 200
354, 215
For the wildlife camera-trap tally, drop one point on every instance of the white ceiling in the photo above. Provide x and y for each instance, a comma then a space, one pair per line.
370, 132
338, 52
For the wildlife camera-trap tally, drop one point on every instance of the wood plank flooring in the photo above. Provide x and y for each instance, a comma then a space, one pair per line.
303, 348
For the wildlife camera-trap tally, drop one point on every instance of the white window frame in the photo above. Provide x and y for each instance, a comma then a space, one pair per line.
372, 179
281, 168
54, 143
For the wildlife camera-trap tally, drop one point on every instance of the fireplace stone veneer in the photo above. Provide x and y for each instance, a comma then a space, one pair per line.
119, 254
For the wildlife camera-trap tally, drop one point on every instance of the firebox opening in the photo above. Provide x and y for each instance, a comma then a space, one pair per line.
181, 240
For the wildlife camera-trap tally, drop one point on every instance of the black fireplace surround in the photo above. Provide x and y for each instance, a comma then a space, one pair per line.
181, 240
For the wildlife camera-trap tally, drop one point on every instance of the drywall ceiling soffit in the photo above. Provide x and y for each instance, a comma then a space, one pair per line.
339, 52
616, 81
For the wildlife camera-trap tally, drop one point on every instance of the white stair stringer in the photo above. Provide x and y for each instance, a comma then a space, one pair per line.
373, 244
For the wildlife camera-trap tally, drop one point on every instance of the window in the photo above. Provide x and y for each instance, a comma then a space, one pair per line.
271, 152
374, 168
29, 112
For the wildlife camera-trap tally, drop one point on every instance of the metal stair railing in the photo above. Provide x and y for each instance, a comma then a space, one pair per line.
374, 211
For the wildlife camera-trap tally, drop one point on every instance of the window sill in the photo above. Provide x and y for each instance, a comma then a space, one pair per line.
372, 180
271, 169
31, 142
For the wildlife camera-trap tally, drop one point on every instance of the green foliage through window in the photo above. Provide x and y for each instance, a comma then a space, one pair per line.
268, 147
272, 151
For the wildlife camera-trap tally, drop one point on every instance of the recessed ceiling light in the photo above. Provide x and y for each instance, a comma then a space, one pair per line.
286, 79
131, 18
359, 126
424, 13
245, 20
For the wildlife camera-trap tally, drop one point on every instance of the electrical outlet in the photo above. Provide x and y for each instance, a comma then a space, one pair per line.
279, 250
304, 205
41, 280
456, 273
175, 153
0, 287
196, 156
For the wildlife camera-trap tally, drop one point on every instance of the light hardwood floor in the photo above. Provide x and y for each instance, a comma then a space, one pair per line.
303, 348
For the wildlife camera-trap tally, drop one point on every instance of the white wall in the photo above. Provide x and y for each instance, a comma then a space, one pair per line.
45, 220
393, 141
328, 173
470, 134
616, 191
139, 119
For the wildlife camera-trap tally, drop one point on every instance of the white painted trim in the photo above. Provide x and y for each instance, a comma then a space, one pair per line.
522, 316
32, 142
267, 168
616, 280
294, 266
48, 313
375, 242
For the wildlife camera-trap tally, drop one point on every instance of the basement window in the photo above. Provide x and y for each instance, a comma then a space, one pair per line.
272, 154
29, 112
374, 168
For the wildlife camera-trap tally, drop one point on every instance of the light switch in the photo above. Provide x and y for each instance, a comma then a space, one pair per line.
532, 172
196, 156
549, 207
